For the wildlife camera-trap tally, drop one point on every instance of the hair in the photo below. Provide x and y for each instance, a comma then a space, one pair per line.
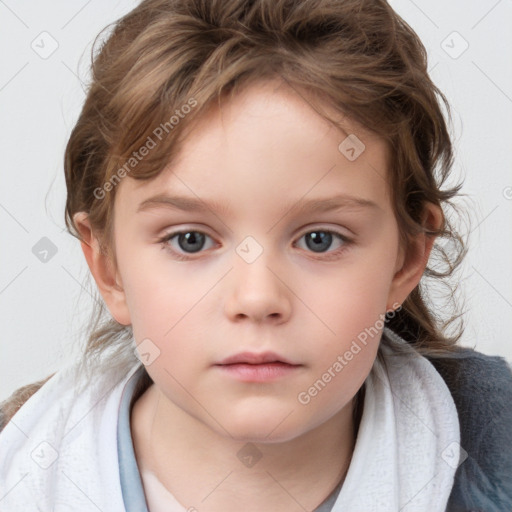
167, 62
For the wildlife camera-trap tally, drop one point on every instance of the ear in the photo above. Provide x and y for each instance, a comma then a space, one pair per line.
102, 269
411, 263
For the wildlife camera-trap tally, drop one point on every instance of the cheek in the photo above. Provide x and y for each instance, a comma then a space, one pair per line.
337, 383
169, 308
344, 350
350, 305
349, 300
159, 293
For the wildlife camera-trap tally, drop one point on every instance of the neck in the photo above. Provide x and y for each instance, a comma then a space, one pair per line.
206, 470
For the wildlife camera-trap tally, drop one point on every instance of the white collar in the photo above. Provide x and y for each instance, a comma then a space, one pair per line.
408, 443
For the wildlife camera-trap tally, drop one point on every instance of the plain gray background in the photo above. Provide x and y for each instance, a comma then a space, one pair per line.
45, 49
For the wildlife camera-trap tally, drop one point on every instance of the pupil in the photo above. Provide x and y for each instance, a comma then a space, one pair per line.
192, 238
319, 240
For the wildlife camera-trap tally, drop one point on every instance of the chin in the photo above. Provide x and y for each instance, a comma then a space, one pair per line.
262, 428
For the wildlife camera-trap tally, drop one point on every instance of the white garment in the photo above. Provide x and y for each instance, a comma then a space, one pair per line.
59, 452
408, 443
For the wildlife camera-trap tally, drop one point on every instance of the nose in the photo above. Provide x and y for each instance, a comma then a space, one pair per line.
257, 291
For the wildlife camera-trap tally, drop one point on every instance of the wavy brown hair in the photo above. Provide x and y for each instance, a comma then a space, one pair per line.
359, 58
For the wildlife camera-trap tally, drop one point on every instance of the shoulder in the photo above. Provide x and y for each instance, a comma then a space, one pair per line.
71, 419
467, 363
10, 406
481, 387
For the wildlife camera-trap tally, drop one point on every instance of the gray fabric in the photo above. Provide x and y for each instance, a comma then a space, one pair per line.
481, 388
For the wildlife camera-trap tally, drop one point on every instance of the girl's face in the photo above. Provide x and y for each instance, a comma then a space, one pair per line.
292, 248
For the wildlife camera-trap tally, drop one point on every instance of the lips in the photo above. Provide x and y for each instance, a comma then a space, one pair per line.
255, 358
251, 367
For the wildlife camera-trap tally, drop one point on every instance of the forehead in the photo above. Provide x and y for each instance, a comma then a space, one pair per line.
269, 142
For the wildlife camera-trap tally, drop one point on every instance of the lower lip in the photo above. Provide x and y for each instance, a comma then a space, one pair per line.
258, 372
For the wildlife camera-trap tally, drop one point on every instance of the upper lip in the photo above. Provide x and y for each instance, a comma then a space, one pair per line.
255, 358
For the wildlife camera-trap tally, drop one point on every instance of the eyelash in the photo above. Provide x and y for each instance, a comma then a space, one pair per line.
330, 255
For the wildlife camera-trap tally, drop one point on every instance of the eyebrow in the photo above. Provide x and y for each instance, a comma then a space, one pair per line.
191, 204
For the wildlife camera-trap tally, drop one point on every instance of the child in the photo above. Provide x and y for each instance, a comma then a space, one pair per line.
262, 371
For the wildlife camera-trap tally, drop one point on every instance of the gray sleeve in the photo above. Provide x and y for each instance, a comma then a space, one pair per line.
481, 387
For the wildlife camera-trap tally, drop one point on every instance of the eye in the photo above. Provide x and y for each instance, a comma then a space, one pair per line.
189, 241
319, 240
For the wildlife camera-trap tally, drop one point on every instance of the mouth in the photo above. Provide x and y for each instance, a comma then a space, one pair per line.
255, 359
252, 367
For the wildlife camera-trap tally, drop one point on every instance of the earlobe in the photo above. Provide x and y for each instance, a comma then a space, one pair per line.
101, 267
415, 259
